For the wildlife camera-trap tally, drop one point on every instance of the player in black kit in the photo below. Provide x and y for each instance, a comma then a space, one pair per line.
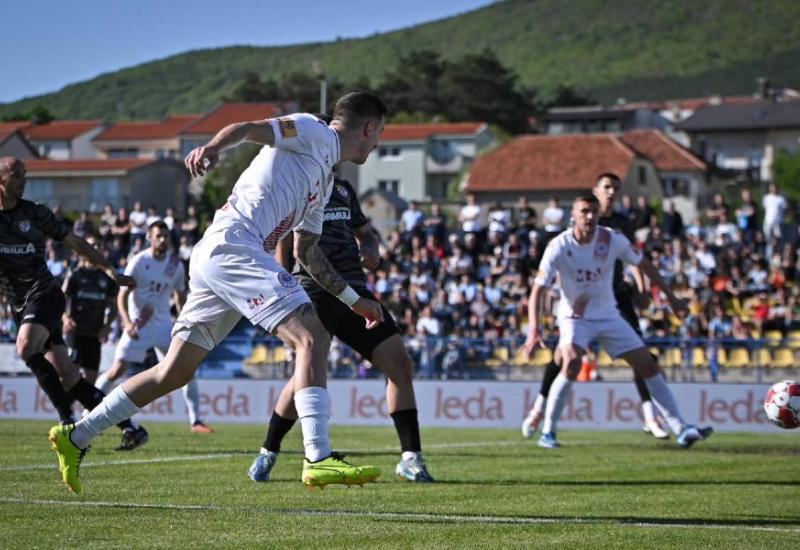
34, 293
606, 188
350, 244
90, 313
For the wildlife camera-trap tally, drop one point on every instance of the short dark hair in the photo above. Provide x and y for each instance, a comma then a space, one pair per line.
586, 197
609, 175
160, 224
359, 105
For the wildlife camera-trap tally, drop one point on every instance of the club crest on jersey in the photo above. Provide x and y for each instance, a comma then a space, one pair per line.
24, 226
287, 280
602, 245
256, 301
287, 127
342, 190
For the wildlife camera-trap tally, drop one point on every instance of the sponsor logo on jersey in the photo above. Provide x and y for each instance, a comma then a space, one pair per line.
24, 226
286, 279
601, 247
256, 301
17, 249
287, 128
342, 190
88, 295
336, 214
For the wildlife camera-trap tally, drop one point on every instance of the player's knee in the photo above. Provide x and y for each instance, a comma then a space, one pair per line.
27, 347
402, 373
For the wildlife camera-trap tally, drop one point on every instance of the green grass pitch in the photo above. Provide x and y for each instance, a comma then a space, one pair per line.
494, 489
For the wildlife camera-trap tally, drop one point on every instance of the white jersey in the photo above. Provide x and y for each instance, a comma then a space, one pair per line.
586, 272
285, 186
149, 302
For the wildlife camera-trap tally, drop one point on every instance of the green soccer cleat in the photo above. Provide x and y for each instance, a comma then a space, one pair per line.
334, 470
69, 456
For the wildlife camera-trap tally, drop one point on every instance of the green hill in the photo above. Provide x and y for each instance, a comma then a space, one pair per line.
637, 49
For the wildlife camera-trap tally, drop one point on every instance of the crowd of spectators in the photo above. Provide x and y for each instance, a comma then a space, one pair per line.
466, 278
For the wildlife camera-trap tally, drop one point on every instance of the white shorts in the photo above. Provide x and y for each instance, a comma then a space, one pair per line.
230, 277
614, 334
150, 336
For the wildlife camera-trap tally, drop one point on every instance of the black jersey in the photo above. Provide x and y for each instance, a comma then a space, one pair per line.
88, 292
24, 230
343, 216
618, 222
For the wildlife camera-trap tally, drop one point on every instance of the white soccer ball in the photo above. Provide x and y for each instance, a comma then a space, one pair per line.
782, 404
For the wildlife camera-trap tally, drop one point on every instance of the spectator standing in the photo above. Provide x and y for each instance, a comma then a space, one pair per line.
122, 228
138, 220
672, 224
471, 217
107, 220
553, 218
83, 226
413, 219
191, 225
775, 206
747, 215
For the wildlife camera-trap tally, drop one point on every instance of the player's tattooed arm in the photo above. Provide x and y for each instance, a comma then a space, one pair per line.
313, 260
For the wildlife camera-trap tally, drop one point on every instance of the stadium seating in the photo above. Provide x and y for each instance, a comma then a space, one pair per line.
736, 358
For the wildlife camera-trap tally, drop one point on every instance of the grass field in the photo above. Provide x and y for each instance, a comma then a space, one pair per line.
610, 490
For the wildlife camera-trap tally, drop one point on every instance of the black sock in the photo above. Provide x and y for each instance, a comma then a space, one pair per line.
641, 387
278, 428
407, 425
90, 397
48, 380
550, 374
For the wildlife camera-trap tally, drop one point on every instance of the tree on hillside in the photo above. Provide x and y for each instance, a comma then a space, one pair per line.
565, 96
413, 86
480, 87
786, 169
253, 90
37, 115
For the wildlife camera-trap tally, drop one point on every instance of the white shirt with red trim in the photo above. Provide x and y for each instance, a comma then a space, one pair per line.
149, 303
586, 272
286, 186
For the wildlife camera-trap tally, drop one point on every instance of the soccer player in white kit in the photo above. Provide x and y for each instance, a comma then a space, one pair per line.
583, 258
146, 318
233, 273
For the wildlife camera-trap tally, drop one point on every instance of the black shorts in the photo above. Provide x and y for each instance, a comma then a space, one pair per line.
84, 351
45, 309
625, 305
348, 326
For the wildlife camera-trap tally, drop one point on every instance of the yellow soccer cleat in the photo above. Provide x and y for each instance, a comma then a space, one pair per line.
69, 456
334, 470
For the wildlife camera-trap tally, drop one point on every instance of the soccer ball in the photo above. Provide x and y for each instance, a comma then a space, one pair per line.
783, 404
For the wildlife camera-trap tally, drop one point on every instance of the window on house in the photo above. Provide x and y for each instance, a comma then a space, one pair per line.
37, 190
676, 187
102, 191
389, 153
123, 153
642, 176
389, 185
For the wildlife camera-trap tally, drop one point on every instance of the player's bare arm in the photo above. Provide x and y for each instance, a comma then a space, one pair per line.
678, 306
179, 299
122, 307
283, 252
202, 159
311, 257
368, 247
86, 250
534, 338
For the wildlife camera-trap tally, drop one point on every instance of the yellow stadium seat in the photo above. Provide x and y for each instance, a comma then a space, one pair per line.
783, 358
763, 358
793, 339
736, 358
500, 357
773, 336
699, 360
258, 356
542, 357
278, 354
604, 359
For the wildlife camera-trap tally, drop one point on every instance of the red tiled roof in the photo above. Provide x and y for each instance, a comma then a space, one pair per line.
7, 127
550, 163
397, 132
86, 165
228, 113
60, 129
661, 150
164, 129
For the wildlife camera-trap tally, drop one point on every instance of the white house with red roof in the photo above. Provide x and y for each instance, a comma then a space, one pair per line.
420, 161
61, 139
144, 139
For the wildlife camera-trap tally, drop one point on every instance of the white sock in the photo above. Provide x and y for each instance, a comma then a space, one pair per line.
104, 383
191, 395
648, 411
538, 405
556, 400
265, 452
115, 408
314, 411
411, 455
664, 400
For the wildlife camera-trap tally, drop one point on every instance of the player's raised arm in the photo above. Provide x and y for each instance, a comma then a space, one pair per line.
202, 159
311, 257
86, 250
678, 306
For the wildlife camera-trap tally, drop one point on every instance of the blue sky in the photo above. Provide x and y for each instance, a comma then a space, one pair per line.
48, 44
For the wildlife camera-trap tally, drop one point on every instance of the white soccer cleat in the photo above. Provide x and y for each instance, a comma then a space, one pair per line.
655, 429
531, 424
